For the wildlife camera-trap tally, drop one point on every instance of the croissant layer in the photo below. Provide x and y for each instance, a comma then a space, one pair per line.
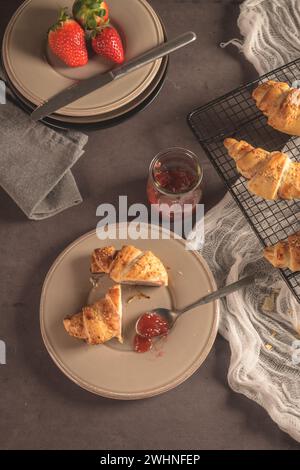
281, 104
272, 175
100, 322
130, 266
285, 254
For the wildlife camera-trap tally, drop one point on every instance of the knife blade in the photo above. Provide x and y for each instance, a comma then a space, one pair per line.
82, 88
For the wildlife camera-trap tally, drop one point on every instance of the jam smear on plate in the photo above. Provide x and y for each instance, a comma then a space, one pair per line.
150, 325
141, 344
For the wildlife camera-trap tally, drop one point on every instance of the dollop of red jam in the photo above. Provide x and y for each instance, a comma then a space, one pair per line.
150, 325
175, 180
141, 344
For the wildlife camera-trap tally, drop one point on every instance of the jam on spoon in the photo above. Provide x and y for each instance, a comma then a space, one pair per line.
149, 326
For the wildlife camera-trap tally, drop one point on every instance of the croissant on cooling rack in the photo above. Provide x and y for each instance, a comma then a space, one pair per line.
285, 254
129, 266
99, 322
272, 175
281, 104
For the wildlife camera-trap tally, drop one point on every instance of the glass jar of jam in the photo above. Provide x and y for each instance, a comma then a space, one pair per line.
175, 177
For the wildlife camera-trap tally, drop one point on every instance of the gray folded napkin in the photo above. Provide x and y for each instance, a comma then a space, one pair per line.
35, 163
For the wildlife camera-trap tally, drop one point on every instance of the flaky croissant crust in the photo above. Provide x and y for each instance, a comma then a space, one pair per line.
281, 104
272, 175
285, 254
129, 266
100, 322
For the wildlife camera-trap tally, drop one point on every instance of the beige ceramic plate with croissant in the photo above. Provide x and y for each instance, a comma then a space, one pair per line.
113, 369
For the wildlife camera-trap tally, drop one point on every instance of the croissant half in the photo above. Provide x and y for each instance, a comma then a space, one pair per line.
272, 175
285, 254
281, 104
129, 266
99, 322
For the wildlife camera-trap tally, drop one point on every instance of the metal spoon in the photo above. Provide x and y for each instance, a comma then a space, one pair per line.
171, 316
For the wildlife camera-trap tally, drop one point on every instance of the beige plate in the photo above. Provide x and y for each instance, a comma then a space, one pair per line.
113, 370
37, 75
107, 116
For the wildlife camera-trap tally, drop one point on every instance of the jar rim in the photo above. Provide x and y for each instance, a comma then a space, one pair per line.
184, 152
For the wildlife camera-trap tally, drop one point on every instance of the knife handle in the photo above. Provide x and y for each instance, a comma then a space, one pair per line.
154, 54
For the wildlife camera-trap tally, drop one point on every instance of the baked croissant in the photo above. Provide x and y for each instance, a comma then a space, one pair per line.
272, 175
285, 254
100, 322
281, 104
129, 266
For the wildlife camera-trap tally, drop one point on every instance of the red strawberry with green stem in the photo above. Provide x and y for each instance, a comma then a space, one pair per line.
66, 39
107, 42
91, 13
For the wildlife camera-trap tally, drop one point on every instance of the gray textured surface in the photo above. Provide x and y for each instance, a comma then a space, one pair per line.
39, 407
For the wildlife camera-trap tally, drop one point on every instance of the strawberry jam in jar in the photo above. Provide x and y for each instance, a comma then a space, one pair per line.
174, 183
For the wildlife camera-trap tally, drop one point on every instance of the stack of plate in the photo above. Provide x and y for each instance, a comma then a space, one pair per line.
35, 75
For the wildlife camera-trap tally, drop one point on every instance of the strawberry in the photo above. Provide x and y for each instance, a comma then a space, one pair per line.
107, 43
66, 39
91, 13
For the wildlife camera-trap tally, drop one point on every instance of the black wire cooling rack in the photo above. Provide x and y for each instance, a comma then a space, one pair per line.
236, 115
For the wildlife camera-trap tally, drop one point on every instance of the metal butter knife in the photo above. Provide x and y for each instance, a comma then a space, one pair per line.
84, 87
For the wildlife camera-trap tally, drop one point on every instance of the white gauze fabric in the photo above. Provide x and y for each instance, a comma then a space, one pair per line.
271, 32
262, 322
